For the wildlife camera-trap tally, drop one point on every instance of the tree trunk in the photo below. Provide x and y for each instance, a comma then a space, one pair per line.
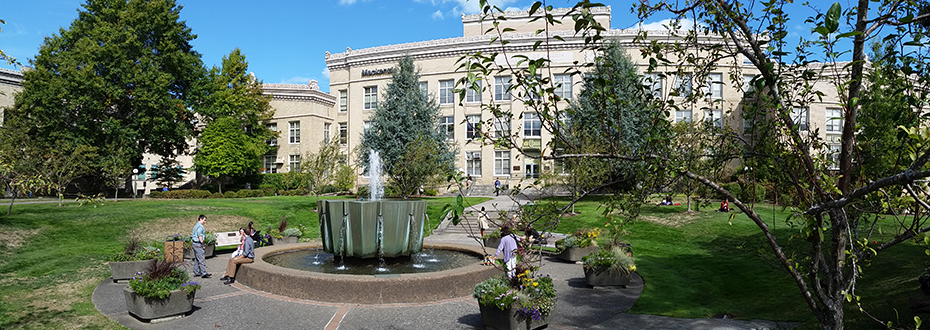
116, 196
689, 203
12, 199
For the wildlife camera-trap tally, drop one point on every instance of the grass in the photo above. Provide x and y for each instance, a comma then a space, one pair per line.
52, 258
703, 264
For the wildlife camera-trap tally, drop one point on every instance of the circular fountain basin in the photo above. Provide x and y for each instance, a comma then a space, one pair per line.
318, 260
365, 289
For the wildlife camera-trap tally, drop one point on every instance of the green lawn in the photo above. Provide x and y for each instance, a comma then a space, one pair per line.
52, 258
703, 264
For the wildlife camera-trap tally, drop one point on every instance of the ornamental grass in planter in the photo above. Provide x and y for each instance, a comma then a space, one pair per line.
612, 266
578, 245
133, 259
164, 289
283, 234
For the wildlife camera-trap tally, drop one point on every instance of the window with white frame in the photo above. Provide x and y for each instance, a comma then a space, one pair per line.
748, 87
293, 163
326, 129
501, 127
366, 126
273, 141
473, 92
473, 163
653, 82
563, 86
370, 98
447, 127
682, 115
532, 93
502, 88
714, 117
715, 86
293, 132
343, 100
424, 89
833, 153
446, 93
834, 120
683, 85
801, 117
473, 126
502, 163
268, 163
343, 133
532, 126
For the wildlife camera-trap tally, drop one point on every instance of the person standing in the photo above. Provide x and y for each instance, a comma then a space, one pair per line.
506, 249
247, 256
483, 221
197, 241
497, 187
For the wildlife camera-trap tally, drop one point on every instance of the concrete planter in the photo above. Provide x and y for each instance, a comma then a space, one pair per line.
284, 240
610, 277
209, 251
179, 302
492, 242
508, 319
124, 270
574, 254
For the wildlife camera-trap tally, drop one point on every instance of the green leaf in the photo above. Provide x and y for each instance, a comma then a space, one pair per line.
832, 20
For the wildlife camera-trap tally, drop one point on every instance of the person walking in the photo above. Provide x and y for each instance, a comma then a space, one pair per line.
197, 242
247, 256
507, 249
497, 187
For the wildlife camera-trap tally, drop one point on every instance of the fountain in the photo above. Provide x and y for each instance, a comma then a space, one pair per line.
378, 245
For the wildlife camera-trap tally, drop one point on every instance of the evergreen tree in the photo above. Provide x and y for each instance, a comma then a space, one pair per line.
404, 116
119, 78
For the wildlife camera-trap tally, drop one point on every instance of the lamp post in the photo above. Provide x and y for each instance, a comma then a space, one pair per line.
135, 171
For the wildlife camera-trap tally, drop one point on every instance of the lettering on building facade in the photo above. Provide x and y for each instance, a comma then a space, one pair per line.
377, 72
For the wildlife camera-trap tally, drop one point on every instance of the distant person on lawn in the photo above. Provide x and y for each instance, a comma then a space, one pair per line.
247, 256
197, 242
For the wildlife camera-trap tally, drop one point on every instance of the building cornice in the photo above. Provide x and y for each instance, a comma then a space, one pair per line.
11, 77
299, 92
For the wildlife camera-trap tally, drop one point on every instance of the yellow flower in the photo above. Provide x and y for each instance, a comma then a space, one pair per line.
633, 268
535, 283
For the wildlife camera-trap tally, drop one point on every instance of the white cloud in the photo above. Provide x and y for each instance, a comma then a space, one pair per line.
683, 24
460, 7
325, 72
347, 2
438, 15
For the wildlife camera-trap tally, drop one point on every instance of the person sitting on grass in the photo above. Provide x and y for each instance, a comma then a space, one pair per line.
247, 256
724, 206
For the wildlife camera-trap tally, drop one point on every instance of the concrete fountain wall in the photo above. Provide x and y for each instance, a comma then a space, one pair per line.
364, 289
351, 228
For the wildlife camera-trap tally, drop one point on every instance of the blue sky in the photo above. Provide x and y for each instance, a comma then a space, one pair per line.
284, 41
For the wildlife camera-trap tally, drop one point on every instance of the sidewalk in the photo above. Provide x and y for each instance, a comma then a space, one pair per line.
239, 307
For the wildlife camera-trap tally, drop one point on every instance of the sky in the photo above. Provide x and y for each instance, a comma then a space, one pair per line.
285, 41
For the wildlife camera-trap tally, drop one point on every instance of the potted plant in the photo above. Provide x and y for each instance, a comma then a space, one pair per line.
283, 234
133, 259
612, 266
578, 245
164, 289
209, 244
492, 239
188, 248
524, 302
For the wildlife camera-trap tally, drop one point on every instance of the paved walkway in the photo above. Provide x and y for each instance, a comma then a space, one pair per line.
219, 306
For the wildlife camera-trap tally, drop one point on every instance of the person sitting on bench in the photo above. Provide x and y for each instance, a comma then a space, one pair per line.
533, 236
247, 256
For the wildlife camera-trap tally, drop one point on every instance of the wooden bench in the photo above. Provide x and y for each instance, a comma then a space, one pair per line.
228, 238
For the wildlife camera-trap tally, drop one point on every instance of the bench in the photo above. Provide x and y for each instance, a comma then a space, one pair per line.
228, 238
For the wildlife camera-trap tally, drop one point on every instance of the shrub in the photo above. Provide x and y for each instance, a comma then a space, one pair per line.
363, 192
613, 258
291, 232
244, 193
581, 238
216, 195
209, 238
734, 189
160, 279
230, 194
156, 194
430, 192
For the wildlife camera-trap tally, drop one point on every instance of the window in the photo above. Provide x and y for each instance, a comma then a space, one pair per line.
326, 129
833, 153
473, 163
532, 93
502, 163
446, 95
563, 86
294, 132
366, 126
274, 128
153, 171
447, 127
748, 88
294, 163
343, 133
141, 175
834, 120
269, 165
473, 130
532, 126
343, 100
653, 82
473, 92
371, 98
501, 127
683, 85
714, 117
424, 89
502, 88
682, 115
715, 86
800, 117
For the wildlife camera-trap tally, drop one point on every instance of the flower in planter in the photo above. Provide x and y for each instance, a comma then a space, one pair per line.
614, 258
160, 279
579, 239
534, 296
134, 251
294, 232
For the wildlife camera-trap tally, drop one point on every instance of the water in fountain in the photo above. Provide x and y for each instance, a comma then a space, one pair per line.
375, 188
341, 248
382, 267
